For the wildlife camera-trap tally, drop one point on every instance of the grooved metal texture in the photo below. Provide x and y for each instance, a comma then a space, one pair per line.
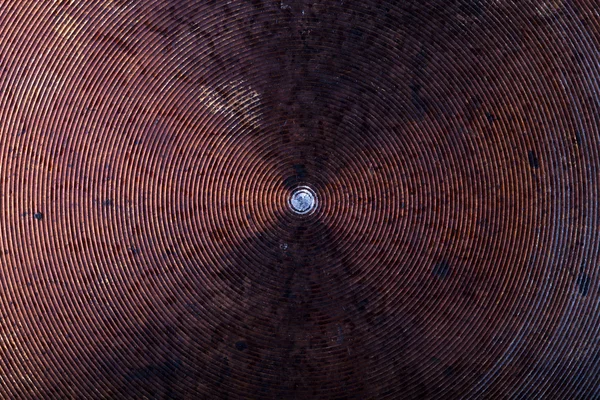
149, 244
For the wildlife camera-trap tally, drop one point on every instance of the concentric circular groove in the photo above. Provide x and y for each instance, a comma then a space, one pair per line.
299, 199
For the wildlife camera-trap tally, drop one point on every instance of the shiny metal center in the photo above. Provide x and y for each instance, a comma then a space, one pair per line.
303, 200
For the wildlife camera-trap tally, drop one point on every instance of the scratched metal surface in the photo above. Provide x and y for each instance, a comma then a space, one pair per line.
148, 151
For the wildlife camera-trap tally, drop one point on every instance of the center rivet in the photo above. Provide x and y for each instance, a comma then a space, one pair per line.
303, 200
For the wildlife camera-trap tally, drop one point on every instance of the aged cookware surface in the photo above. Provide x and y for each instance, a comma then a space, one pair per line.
299, 199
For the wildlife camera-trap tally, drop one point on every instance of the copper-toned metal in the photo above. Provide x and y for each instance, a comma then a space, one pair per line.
151, 245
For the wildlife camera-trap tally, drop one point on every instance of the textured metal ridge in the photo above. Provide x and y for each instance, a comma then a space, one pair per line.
150, 246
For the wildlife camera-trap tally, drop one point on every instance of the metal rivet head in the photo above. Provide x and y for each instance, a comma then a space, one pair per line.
303, 200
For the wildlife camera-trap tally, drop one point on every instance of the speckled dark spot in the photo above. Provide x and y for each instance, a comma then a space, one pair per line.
419, 104
287, 294
162, 372
528, 395
362, 305
533, 160
356, 33
340, 335
38, 216
583, 282
490, 117
241, 345
578, 140
474, 8
107, 203
300, 171
442, 269
290, 182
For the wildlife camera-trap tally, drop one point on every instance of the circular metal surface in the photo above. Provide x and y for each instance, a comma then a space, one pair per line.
149, 246
303, 200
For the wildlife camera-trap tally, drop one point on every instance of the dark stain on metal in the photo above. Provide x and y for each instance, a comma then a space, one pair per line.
583, 283
533, 160
442, 269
